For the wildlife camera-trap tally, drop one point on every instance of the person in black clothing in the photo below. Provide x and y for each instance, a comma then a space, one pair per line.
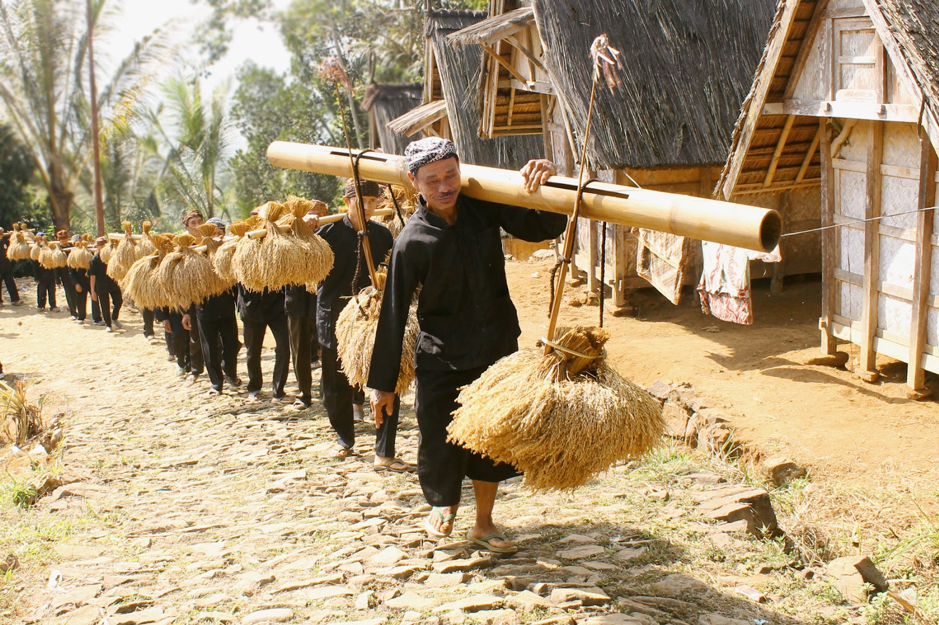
188, 319
64, 277
163, 316
6, 270
82, 286
45, 283
452, 247
218, 334
103, 288
334, 293
259, 311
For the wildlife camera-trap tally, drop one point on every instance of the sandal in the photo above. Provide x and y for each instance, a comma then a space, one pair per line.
444, 520
485, 542
339, 452
391, 464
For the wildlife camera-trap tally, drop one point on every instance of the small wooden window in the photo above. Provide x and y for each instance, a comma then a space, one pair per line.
857, 61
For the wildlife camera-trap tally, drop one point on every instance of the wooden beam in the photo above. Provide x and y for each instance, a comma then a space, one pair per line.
925, 221
511, 111
808, 157
810, 31
867, 369
758, 189
528, 53
840, 108
780, 146
506, 65
829, 242
842, 136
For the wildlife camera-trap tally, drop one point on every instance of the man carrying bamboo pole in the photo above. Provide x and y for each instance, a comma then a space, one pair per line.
452, 246
185, 324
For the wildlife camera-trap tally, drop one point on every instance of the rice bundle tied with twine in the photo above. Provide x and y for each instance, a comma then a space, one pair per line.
140, 282
222, 258
187, 277
145, 245
402, 201
561, 418
19, 245
80, 257
107, 252
35, 250
355, 337
51, 256
278, 259
124, 255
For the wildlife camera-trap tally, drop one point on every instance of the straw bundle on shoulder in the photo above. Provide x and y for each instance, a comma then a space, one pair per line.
559, 419
56, 257
124, 255
187, 276
107, 252
402, 202
355, 338
278, 259
222, 258
140, 281
145, 245
79, 257
35, 250
19, 246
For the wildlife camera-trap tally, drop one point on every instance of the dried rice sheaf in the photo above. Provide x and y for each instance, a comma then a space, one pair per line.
79, 257
407, 203
186, 276
35, 250
560, 429
124, 256
140, 283
222, 258
298, 256
107, 252
355, 338
19, 246
145, 245
57, 257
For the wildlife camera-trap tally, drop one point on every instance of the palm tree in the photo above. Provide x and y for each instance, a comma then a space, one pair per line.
42, 89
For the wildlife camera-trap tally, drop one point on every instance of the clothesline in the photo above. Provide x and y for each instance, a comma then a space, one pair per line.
860, 221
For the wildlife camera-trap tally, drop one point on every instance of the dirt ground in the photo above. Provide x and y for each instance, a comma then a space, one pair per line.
823, 417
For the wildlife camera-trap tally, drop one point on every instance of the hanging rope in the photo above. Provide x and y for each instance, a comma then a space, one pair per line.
602, 271
394, 200
859, 221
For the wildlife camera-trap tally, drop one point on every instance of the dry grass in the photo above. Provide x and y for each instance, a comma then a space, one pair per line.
145, 245
34, 251
186, 277
19, 246
223, 256
80, 257
558, 426
21, 419
407, 203
107, 252
124, 256
52, 257
355, 337
278, 259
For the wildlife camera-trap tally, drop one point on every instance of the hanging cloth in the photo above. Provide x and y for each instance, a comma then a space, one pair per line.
661, 259
725, 283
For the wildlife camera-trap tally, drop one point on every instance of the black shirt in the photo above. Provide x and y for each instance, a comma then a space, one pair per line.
215, 307
4, 244
99, 269
298, 302
41, 274
464, 312
336, 288
260, 307
80, 277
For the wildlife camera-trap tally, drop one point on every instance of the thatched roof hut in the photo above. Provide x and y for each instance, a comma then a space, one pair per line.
384, 102
844, 110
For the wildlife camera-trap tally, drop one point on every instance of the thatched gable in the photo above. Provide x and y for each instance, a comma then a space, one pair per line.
456, 71
385, 102
687, 68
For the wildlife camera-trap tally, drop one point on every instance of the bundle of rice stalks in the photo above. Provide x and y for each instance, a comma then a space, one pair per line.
35, 250
186, 276
80, 257
562, 417
124, 255
140, 282
355, 337
222, 258
279, 258
57, 257
145, 245
406, 200
107, 252
19, 246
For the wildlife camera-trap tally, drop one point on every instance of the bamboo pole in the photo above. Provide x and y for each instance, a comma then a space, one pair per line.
749, 227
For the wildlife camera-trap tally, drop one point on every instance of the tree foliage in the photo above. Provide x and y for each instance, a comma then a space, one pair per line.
16, 171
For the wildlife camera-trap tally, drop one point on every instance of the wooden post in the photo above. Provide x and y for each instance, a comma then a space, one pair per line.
779, 269
95, 147
921, 273
829, 240
867, 370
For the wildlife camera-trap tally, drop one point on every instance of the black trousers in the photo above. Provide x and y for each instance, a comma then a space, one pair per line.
338, 397
69, 287
220, 347
147, 314
196, 357
441, 466
81, 303
301, 331
45, 289
110, 302
95, 311
187, 358
11, 286
254, 340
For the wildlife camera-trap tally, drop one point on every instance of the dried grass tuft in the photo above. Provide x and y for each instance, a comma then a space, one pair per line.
141, 281
355, 338
186, 276
34, 251
80, 257
298, 256
107, 252
407, 203
51, 257
559, 428
222, 258
19, 246
145, 245
124, 256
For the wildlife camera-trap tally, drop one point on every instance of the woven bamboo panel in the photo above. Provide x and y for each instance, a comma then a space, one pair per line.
894, 315
850, 302
899, 195
932, 327
813, 81
851, 193
852, 250
901, 145
855, 148
897, 261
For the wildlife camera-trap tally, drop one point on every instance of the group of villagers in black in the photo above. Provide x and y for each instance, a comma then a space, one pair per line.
449, 259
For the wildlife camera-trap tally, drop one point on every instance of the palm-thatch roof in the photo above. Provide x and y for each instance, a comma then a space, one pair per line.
419, 118
385, 102
458, 71
687, 67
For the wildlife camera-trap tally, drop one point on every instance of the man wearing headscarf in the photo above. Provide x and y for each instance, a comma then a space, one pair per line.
452, 247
